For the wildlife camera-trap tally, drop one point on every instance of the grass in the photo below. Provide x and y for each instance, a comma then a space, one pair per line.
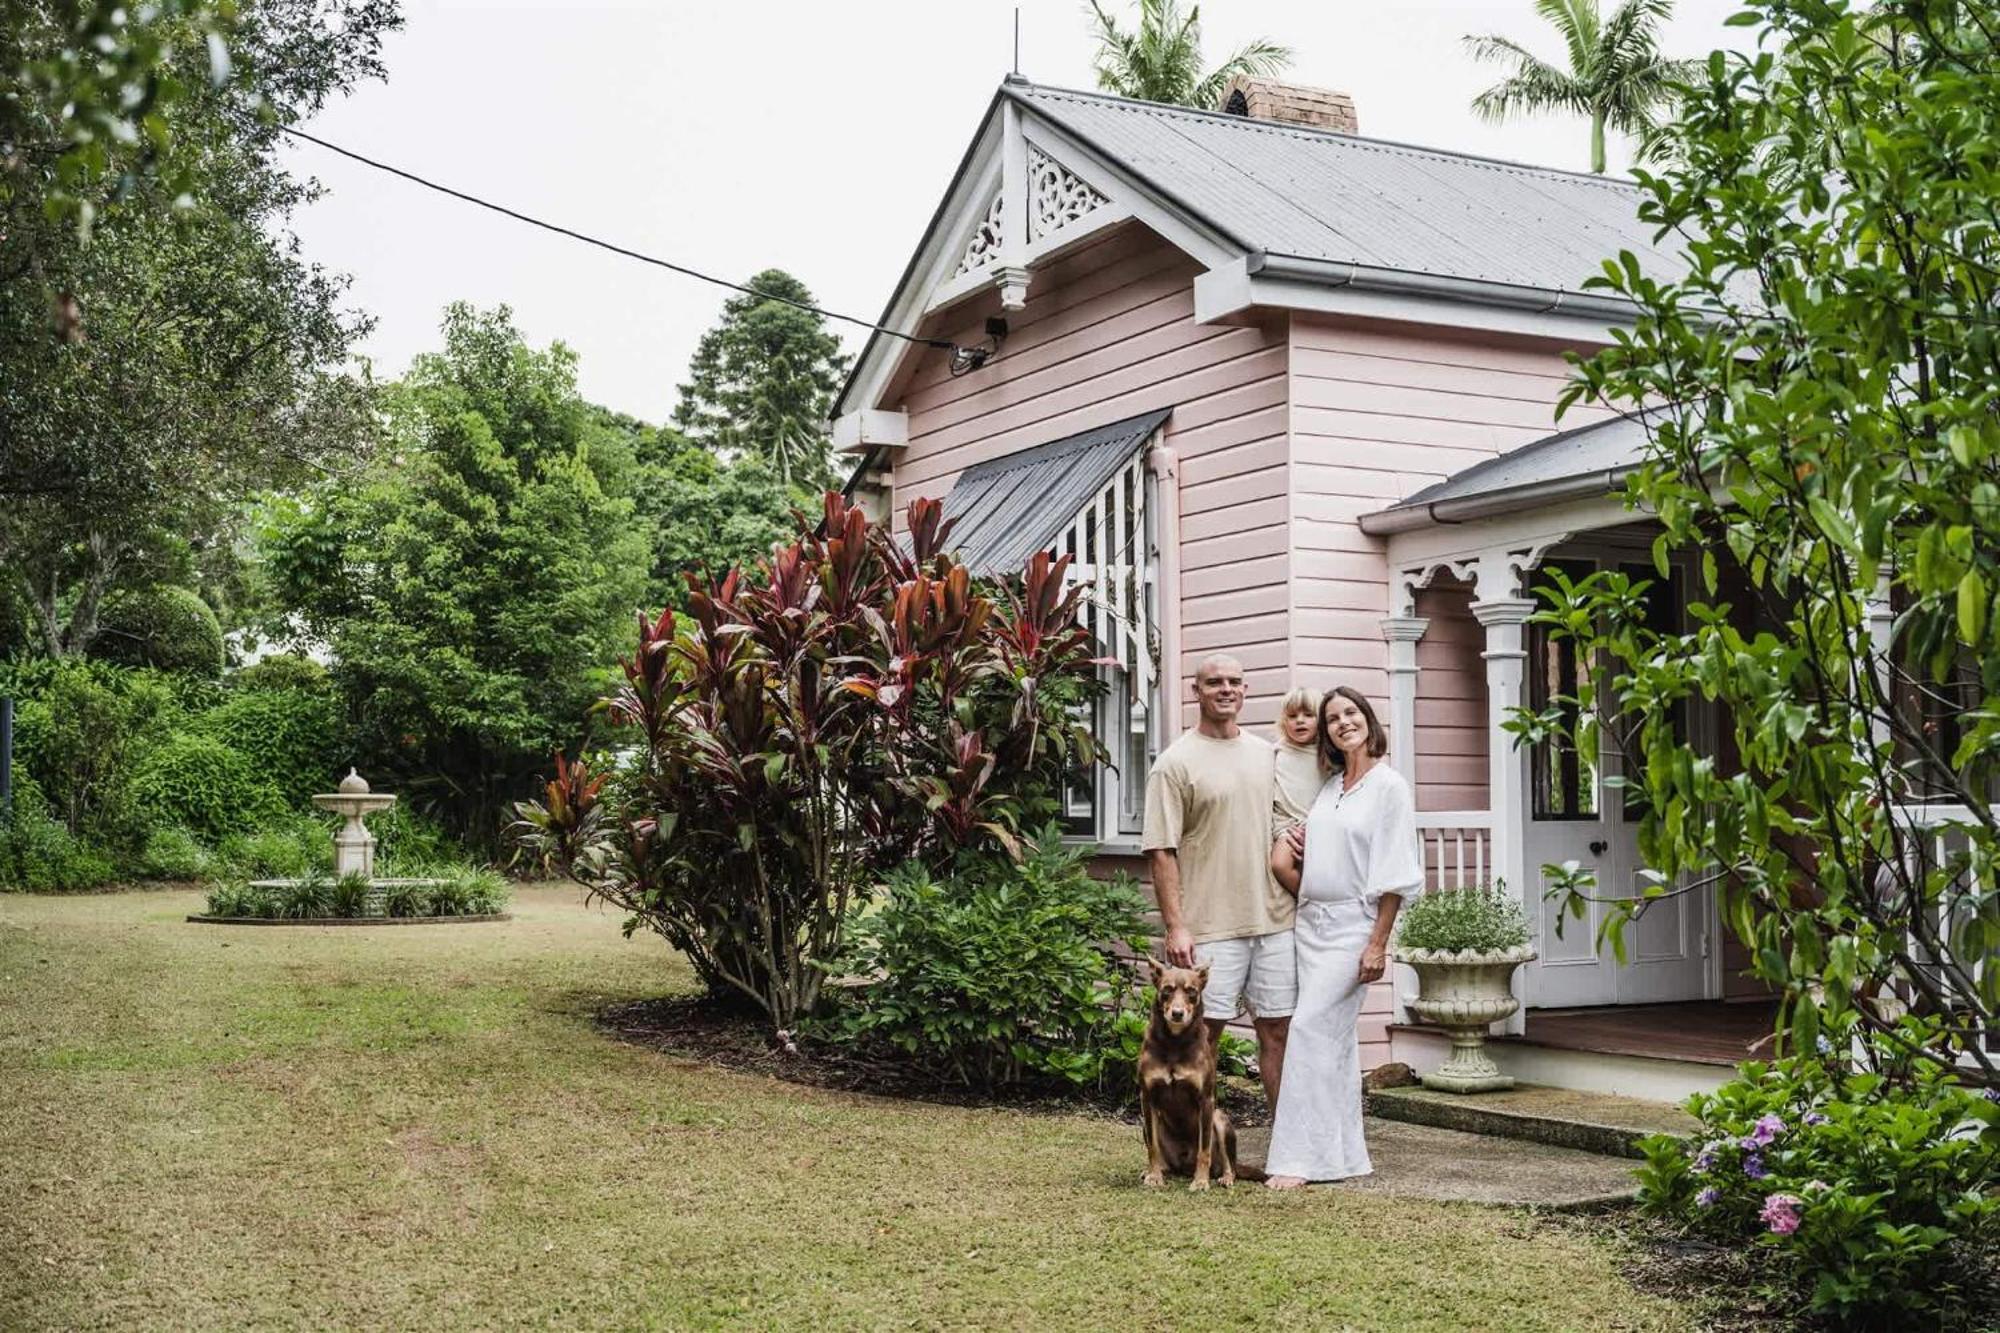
214, 1127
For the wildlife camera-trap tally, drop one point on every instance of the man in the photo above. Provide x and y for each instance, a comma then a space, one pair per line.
1208, 843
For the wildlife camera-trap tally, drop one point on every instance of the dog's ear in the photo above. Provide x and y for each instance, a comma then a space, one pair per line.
1155, 968
1201, 974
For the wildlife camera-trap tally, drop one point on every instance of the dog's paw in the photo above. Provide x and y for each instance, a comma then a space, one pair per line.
1227, 1179
1153, 1180
1198, 1183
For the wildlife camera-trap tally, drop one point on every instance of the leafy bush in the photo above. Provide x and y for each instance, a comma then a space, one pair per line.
1128, 1039
173, 853
854, 707
1872, 1198
1480, 917
165, 627
238, 897
310, 895
287, 672
408, 844
283, 848
39, 854
202, 784
999, 972
290, 737
348, 896
78, 732
407, 899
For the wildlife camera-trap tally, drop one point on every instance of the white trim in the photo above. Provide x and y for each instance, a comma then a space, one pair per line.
1230, 290
869, 428
1161, 215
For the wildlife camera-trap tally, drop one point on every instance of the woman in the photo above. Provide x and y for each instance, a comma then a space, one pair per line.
1352, 865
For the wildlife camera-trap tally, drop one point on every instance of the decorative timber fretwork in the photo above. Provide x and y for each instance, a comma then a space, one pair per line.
984, 247
1057, 195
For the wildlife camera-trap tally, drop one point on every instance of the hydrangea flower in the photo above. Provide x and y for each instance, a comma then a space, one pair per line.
1707, 1197
1753, 1167
1781, 1213
1816, 1118
1710, 1154
1767, 1128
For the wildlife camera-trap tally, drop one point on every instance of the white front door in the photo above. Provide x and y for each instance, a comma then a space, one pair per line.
1576, 814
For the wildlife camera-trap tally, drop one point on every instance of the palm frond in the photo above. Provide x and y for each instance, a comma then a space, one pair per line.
1531, 92
1254, 59
1578, 23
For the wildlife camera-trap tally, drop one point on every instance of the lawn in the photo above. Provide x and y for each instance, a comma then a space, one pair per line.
410, 1127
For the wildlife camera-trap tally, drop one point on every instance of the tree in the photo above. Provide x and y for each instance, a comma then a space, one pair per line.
762, 382
193, 355
1616, 75
1160, 60
1823, 432
472, 582
706, 515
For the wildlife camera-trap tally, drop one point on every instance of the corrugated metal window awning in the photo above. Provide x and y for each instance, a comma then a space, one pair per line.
1006, 509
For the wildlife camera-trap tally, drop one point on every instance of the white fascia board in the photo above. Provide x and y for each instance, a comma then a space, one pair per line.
1453, 542
1223, 293
868, 428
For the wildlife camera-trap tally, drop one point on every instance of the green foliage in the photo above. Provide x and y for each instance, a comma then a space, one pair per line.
1128, 1040
407, 898
310, 895
80, 729
198, 783
707, 516
998, 972
1160, 60
472, 582
856, 706
281, 847
38, 853
290, 736
406, 843
1871, 1197
174, 853
1821, 436
164, 627
762, 382
1478, 916
283, 671
1616, 75
348, 896
238, 897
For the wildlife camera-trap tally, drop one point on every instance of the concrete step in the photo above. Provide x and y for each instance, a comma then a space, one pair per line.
1562, 1117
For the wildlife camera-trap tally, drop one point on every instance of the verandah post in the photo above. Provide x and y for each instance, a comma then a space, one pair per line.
1503, 613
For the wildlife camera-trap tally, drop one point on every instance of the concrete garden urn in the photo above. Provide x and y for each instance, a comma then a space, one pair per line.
1462, 991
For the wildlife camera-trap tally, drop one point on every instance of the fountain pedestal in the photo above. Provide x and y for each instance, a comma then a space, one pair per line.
353, 844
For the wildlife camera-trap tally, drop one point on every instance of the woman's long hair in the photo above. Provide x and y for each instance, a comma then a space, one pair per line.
1330, 757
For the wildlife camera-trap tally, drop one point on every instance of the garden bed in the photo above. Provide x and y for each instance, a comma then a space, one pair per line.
713, 1033
467, 919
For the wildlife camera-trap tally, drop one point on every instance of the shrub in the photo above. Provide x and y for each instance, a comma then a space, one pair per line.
1128, 1039
173, 853
1479, 917
407, 843
162, 626
407, 899
854, 707
202, 784
79, 731
284, 847
468, 892
290, 737
38, 853
288, 672
348, 896
240, 898
999, 972
310, 895
1870, 1197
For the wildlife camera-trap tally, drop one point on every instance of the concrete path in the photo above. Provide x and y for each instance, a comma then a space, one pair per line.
1422, 1162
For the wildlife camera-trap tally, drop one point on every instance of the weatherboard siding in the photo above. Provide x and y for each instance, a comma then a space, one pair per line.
1379, 411
1109, 332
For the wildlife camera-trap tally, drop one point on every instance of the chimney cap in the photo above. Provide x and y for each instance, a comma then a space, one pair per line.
1288, 104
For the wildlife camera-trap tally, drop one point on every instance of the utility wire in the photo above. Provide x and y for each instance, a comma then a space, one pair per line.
942, 344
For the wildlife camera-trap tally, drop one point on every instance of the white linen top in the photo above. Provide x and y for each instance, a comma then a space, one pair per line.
1361, 844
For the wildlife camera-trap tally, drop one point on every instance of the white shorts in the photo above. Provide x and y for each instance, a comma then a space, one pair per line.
1260, 970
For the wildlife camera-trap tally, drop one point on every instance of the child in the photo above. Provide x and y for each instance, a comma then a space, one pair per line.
1299, 773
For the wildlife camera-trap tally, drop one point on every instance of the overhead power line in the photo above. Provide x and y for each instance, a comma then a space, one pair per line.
942, 344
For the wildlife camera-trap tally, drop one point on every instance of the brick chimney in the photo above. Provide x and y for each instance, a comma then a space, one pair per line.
1288, 103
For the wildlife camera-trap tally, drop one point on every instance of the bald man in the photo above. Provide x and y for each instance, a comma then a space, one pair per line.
1208, 843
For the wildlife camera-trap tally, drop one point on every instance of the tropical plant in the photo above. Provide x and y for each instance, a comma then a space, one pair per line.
853, 706
996, 972
1160, 60
473, 582
1616, 77
1868, 1197
309, 896
1479, 917
1822, 441
762, 381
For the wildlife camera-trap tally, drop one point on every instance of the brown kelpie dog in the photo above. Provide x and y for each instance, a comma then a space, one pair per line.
1186, 1132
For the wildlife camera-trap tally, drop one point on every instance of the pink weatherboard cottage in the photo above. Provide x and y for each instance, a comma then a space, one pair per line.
1287, 393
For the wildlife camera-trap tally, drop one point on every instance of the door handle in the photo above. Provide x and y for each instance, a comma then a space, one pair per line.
1598, 848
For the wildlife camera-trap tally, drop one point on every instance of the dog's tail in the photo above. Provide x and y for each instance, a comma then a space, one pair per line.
1253, 1174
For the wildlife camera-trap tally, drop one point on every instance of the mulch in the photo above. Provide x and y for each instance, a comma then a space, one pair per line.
702, 1029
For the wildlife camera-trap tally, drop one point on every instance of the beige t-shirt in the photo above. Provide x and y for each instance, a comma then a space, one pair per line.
1299, 781
1210, 801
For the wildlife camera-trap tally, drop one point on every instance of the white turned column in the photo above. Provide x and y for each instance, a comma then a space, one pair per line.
1012, 275
1503, 613
1165, 466
1403, 634
1881, 628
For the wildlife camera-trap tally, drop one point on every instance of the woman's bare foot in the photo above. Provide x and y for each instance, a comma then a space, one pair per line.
1285, 1183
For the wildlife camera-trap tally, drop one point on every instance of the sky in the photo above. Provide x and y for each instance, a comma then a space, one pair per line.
735, 135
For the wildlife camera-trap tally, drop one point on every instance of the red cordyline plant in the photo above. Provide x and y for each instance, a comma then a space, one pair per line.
856, 703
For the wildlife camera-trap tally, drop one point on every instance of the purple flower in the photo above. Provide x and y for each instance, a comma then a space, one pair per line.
1710, 1155
1815, 1118
1816, 1187
1753, 1166
1767, 1128
1993, 1094
1781, 1213
1707, 1198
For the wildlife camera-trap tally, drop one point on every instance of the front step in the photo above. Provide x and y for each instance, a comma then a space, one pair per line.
1644, 1078
1562, 1117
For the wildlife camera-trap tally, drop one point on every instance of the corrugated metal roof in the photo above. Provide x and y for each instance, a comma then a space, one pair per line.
1008, 508
1590, 460
1341, 198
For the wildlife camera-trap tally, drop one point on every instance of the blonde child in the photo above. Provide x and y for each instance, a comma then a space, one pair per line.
1299, 775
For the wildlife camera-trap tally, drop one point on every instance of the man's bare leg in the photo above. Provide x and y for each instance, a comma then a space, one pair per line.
1271, 1034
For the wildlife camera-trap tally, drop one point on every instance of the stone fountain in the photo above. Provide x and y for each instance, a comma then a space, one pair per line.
354, 845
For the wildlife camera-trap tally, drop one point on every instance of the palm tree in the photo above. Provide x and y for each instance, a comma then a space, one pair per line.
1161, 61
1616, 75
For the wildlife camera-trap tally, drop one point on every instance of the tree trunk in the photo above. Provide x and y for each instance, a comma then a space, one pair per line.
1597, 141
